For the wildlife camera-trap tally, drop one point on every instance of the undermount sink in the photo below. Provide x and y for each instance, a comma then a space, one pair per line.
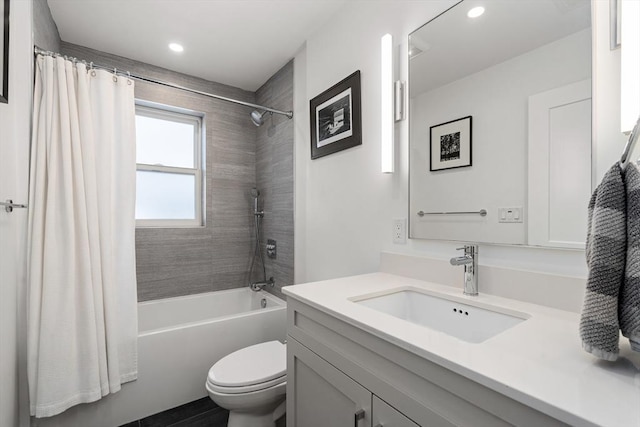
452, 316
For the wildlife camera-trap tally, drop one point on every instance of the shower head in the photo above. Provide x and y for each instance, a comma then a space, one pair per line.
257, 117
255, 193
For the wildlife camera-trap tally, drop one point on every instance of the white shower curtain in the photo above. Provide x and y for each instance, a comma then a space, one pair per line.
82, 305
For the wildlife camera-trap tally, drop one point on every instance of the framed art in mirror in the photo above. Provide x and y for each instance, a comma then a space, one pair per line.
450, 144
4, 54
336, 122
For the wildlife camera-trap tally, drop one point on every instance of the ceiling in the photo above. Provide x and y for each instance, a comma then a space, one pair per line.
236, 42
455, 46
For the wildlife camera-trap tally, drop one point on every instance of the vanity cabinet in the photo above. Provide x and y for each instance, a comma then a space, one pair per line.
337, 370
385, 415
324, 396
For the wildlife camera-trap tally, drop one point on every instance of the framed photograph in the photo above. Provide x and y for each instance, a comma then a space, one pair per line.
4, 51
450, 144
336, 120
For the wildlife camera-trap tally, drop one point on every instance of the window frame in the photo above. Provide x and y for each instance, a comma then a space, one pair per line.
179, 115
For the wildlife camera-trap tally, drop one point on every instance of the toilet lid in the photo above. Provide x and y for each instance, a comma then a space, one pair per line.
251, 365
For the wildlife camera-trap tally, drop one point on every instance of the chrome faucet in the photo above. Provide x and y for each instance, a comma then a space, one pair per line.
258, 286
470, 262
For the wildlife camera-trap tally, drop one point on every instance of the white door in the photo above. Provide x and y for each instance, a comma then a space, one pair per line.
559, 165
15, 119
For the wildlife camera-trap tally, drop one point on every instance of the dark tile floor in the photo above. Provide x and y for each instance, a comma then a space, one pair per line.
199, 413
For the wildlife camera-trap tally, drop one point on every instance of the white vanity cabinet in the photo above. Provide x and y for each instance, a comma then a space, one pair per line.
324, 396
384, 415
340, 375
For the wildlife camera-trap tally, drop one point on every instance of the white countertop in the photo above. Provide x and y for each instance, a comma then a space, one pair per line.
539, 362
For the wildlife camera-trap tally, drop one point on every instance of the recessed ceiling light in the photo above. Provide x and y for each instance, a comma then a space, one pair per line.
176, 47
475, 12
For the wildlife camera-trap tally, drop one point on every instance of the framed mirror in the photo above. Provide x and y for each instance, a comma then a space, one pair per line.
4, 51
500, 102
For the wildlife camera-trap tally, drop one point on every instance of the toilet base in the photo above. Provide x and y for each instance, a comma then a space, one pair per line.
256, 409
243, 419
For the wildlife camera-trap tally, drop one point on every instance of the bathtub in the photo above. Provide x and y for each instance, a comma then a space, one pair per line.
179, 339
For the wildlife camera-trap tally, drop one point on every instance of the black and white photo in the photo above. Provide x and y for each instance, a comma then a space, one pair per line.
450, 147
450, 144
336, 118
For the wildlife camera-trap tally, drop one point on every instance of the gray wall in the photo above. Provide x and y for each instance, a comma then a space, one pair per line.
45, 31
274, 174
181, 261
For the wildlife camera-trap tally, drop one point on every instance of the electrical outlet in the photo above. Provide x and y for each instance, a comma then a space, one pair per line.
400, 230
510, 214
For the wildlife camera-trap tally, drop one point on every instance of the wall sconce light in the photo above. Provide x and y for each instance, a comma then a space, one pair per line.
386, 98
392, 104
630, 64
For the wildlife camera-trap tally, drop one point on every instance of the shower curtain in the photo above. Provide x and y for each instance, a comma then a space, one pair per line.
81, 315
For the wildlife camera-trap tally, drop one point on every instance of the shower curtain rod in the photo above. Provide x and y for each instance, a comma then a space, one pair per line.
39, 51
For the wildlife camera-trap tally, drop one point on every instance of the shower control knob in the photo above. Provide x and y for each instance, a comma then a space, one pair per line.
271, 248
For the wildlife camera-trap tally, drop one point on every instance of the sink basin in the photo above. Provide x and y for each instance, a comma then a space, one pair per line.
453, 316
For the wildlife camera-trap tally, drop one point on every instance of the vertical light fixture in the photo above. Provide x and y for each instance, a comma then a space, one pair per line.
630, 64
386, 102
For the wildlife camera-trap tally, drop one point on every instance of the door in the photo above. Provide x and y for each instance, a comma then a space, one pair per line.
559, 165
385, 415
15, 117
319, 395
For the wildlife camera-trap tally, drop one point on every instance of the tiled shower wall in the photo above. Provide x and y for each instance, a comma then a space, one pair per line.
274, 175
45, 31
181, 261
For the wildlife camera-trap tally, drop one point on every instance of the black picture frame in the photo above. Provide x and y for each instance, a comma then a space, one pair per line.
4, 45
336, 118
450, 144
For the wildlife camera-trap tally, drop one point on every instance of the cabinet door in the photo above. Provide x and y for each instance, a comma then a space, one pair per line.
385, 415
319, 395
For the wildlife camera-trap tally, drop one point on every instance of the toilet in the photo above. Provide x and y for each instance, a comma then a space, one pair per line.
251, 383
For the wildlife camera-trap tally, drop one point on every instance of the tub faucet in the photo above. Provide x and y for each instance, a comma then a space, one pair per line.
470, 262
258, 286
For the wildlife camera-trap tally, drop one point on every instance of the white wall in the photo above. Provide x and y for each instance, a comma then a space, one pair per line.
496, 97
14, 153
344, 205
608, 141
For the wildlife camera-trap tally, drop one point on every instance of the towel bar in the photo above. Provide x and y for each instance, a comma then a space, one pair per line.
481, 212
631, 142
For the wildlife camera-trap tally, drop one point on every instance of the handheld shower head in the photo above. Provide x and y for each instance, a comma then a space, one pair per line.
255, 193
257, 117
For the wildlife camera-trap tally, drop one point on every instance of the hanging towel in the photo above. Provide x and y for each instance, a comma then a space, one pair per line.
629, 307
606, 256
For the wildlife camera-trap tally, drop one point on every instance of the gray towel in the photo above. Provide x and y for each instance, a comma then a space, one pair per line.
629, 307
606, 253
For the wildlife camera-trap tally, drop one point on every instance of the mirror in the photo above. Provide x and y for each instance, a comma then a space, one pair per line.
500, 122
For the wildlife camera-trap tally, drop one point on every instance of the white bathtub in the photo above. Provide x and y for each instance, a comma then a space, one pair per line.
178, 341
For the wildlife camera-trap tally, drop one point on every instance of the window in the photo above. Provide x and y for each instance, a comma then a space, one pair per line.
169, 167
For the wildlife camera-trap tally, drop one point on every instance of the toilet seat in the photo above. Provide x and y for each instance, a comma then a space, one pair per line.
245, 389
253, 368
